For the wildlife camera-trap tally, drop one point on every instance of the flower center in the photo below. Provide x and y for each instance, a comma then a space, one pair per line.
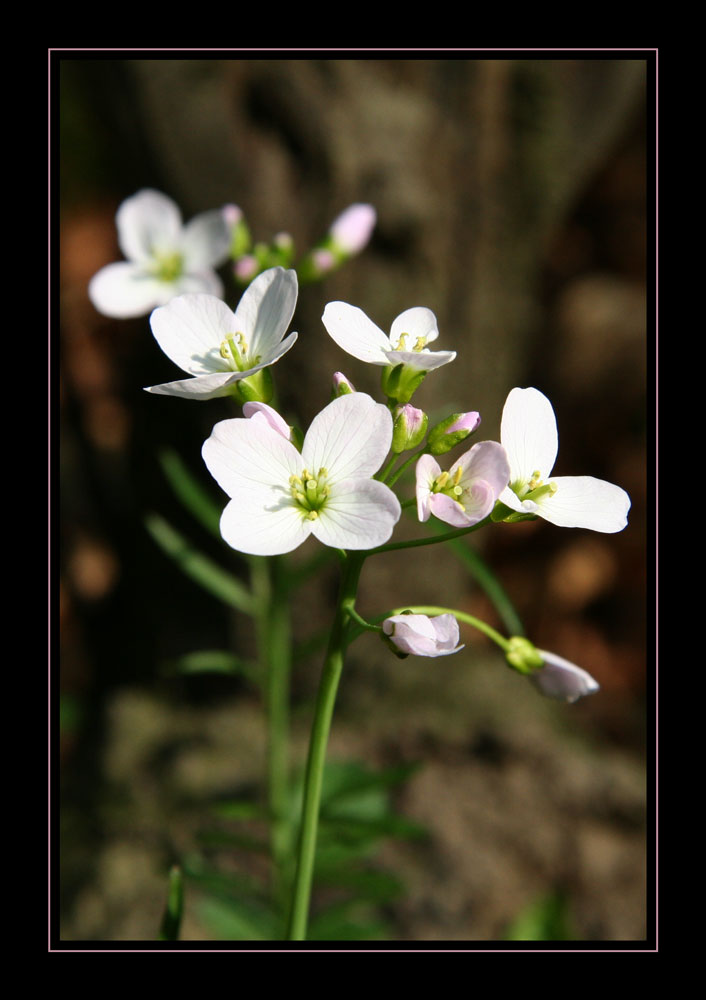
450, 487
534, 489
234, 351
168, 266
310, 492
402, 343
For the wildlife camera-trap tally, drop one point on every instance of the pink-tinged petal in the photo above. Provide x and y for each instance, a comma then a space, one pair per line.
355, 333
426, 471
350, 437
464, 422
426, 361
190, 330
446, 509
415, 323
245, 457
123, 290
261, 528
352, 229
200, 387
528, 434
148, 223
205, 241
486, 460
266, 309
358, 514
585, 502
559, 678
263, 413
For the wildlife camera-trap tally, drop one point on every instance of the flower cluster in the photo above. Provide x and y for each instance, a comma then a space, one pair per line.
336, 482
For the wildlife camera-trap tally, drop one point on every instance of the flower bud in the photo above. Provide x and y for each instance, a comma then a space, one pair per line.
263, 413
452, 431
350, 232
341, 385
409, 633
410, 426
245, 268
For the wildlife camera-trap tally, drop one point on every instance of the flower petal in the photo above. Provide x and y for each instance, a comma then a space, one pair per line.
195, 283
528, 434
559, 678
350, 437
245, 456
477, 502
415, 323
123, 290
148, 223
265, 311
199, 387
426, 471
190, 330
269, 416
486, 460
423, 636
205, 241
355, 333
585, 502
426, 361
358, 514
252, 525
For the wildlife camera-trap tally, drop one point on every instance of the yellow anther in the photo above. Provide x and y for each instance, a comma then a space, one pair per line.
421, 344
442, 480
457, 475
401, 346
323, 472
312, 515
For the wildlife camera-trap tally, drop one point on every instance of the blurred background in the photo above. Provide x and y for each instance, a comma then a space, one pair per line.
512, 200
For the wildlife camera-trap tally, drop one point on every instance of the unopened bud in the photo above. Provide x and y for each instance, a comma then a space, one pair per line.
352, 229
341, 385
410, 426
452, 431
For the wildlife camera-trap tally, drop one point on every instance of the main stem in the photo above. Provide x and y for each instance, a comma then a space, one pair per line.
318, 741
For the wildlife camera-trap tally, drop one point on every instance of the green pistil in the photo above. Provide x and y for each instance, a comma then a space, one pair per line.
534, 489
234, 350
169, 266
310, 492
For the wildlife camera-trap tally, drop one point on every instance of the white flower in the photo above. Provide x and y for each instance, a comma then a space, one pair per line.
263, 413
559, 678
422, 635
529, 435
467, 492
218, 347
279, 497
164, 257
410, 333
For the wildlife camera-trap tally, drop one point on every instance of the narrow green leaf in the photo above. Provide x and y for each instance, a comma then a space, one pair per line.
199, 567
171, 921
546, 919
214, 661
238, 921
190, 492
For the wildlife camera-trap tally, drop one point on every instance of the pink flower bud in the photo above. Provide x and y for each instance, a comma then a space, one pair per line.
323, 260
246, 267
341, 385
559, 678
262, 413
232, 214
422, 635
352, 229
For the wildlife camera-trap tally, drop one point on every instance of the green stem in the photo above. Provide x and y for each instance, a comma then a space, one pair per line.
415, 542
274, 645
405, 465
318, 741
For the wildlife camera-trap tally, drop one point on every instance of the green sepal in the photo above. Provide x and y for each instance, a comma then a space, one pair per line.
257, 388
522, 655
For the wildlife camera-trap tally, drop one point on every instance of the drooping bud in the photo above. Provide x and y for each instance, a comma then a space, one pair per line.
410, 633
410, 426
559, 678
341, 385
240, 239
451, 431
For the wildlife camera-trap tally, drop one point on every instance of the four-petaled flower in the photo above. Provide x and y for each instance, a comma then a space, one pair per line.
410, 333
529, 435
218, 347
467, 492
422, 635
559, 678
279, 497
164, 257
